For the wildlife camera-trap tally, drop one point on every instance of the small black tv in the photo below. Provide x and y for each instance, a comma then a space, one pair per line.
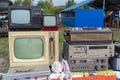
24, 17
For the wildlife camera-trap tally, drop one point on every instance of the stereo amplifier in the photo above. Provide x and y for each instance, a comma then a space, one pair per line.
82, 64
93, 51
115, 63
103, 36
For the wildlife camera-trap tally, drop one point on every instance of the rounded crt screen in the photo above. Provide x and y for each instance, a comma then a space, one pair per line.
49, 21
28, 48
20, 16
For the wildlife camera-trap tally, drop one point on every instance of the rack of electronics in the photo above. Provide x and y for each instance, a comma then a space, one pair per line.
88, 49
33, 42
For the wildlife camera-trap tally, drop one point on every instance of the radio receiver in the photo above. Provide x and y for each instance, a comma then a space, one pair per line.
80, 51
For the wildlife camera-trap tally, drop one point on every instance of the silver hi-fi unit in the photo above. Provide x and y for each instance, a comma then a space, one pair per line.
82, 51
82, 64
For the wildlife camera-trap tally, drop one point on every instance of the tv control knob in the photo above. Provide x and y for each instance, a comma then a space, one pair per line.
72, 67
52, 57
96, 67
51, 39
103, 60
103, 66
110, 48
110, 52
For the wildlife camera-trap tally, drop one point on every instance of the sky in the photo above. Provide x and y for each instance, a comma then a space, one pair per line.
57, 2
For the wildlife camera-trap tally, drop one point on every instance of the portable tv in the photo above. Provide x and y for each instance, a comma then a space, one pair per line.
50, 22
24, 17
33, 48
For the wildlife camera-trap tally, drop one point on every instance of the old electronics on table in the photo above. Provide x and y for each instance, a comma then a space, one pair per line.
32, 50
88, 49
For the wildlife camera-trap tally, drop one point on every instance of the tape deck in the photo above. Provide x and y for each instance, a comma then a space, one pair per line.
82, 51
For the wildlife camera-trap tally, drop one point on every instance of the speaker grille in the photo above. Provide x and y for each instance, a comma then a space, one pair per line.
90, 37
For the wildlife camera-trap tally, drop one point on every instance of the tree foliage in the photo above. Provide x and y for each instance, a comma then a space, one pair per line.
46, 6
27, 3
17, 3
23, 3
69, 3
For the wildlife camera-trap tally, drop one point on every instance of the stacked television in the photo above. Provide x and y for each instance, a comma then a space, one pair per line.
33, 42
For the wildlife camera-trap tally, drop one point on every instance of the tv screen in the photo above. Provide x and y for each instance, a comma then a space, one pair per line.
20, 16
28, 48
49, 20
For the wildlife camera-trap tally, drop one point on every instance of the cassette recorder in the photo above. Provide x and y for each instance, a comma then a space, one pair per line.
82, 51
102, 36
115, 63
82, 64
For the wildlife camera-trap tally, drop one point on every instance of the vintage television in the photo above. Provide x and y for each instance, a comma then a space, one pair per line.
50, 22
24, 17
33, 48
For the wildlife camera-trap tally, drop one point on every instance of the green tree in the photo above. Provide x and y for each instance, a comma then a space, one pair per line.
27, 3
23, 2
17, 2
69, 3
46, 6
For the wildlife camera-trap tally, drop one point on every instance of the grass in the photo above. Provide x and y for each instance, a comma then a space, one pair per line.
4, 46
116, 33
4, 51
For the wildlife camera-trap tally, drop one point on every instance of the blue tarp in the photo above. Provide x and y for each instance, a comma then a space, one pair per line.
78, 5
89, 18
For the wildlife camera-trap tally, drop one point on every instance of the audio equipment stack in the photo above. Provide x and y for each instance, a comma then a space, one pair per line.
88, 49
